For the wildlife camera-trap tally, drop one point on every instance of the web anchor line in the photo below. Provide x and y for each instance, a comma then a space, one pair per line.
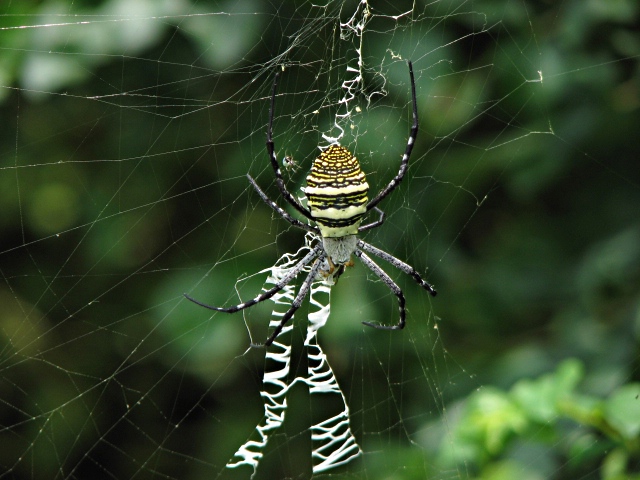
333, 443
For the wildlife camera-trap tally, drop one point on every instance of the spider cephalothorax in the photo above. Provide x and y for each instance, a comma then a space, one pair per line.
337, 203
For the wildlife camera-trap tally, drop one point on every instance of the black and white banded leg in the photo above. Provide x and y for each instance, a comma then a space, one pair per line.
399, 264
382, 275
295, 305
274, 161
269, 293
293, 221
374, 224
404, 164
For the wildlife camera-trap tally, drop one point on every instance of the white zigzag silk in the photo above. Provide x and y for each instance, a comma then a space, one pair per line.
333, 444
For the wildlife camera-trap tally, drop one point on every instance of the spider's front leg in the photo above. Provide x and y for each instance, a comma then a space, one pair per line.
293, 221
404, 163
288, 196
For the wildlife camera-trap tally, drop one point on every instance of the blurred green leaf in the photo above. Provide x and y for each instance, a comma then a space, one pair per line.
614, 465
622, 410
509, 470
539, 398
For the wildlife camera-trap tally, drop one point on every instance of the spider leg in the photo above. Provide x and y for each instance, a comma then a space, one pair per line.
399, 264
404, 164
375, 224
381, 274
304, 290
269, 293
274, 161
280, 211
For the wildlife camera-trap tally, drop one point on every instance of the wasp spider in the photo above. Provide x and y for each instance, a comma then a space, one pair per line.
337, 202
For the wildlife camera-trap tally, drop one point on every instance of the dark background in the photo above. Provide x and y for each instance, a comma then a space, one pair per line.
127, 131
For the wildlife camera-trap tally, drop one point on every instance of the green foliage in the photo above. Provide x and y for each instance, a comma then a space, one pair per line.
127, 130
542, 427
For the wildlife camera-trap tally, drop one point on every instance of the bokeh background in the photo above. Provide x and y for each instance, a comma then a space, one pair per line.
127, 131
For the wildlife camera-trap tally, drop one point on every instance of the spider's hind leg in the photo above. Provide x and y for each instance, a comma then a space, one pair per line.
382, 275
399, 264
295, 305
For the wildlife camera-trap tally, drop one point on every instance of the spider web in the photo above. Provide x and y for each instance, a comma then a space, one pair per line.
128, 131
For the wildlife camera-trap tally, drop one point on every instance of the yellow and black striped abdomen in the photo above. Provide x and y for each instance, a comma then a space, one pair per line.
337, 192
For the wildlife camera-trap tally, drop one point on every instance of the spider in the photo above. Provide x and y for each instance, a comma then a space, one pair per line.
337, 202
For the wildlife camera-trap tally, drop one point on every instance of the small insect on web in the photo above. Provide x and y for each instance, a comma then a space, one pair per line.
289, 163
337, 203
